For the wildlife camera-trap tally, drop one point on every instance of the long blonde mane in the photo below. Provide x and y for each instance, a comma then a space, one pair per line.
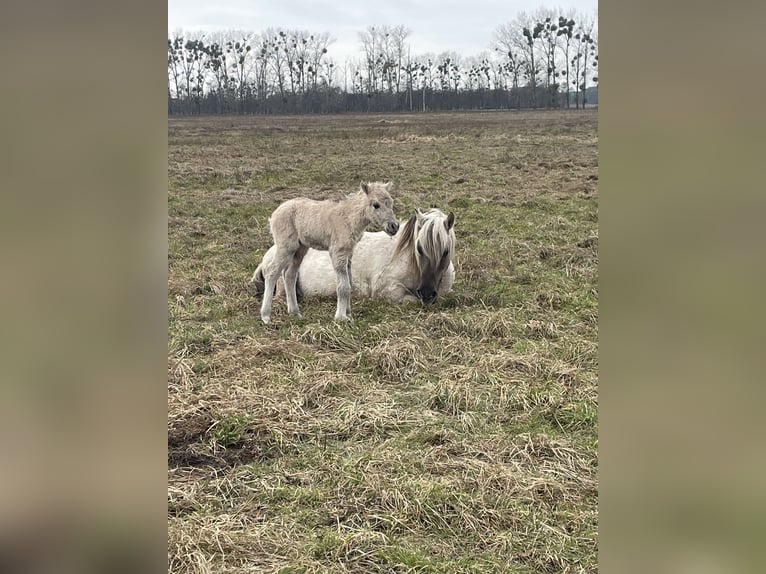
429, 229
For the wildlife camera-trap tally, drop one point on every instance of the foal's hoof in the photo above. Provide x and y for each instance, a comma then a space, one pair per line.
343, 318
266, 319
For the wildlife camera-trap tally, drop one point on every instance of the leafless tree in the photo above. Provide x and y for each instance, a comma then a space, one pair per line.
565, 30
175, 54
192, 63
238, 52
549, 40
393, 49
520, 37
371, 45
584, 49
410, 69
276, 58
426, 74
186, 64
589, 51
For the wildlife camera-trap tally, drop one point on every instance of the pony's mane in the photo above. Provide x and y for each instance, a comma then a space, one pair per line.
433, 235
406, 236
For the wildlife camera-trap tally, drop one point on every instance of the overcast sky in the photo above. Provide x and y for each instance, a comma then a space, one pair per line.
463, 26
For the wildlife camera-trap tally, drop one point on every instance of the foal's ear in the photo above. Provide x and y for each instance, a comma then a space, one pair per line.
450, 221
389, 185
365, 188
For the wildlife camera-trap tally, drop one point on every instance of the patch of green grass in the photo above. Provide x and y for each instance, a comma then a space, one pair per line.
581, 414
231, 430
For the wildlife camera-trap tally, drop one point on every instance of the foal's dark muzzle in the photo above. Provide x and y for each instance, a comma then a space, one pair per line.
427, 295
392, 227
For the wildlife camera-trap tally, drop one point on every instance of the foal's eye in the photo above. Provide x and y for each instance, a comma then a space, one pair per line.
376, 205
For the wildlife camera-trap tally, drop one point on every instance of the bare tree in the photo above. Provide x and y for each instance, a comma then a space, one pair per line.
519, 37
261, 67
565, 30
549, 40
450, 74
506, 43
294, 48
216, 65
193, 67
594, 60
276, 57
239, 52
370, 39
589, 53
532, 68
583, 50
175, 54
426, 75
186, 61
400, 47
477, 78
390, 55
319, 49
410, 69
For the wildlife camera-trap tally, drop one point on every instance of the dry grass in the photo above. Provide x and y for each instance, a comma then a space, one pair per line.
461, 438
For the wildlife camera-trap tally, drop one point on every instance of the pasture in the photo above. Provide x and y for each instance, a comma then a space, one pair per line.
456, 438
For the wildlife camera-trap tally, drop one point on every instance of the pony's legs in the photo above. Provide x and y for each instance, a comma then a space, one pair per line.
271, 273
341, 262
291, 277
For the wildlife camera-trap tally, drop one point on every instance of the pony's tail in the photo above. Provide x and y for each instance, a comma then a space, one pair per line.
298, 289
259, 283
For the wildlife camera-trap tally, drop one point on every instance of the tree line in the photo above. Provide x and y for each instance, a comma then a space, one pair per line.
539, 60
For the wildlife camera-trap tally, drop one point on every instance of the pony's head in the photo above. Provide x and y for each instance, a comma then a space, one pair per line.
430, 238
380, 206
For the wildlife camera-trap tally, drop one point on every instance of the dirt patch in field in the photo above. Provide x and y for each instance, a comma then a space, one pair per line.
191, 443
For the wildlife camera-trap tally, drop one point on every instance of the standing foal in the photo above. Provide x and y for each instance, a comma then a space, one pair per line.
330, 225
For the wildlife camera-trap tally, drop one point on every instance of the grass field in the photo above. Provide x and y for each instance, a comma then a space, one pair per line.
458, 438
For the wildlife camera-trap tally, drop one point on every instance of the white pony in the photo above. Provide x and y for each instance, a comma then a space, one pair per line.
335, 226
414, 265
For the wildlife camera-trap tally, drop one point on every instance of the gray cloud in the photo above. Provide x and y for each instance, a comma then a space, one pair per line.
436, 25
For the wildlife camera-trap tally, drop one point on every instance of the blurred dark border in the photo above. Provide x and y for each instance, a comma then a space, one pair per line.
681, 270
83, 297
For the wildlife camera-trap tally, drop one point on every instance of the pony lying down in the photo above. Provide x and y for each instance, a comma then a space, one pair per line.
413, 265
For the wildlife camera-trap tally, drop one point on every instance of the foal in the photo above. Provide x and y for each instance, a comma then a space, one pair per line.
330, 225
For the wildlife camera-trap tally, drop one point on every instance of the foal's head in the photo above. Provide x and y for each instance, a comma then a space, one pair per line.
380, 206
431, 239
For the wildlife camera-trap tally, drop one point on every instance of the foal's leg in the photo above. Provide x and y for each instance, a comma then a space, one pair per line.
341, 262
271, 273
291, 277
